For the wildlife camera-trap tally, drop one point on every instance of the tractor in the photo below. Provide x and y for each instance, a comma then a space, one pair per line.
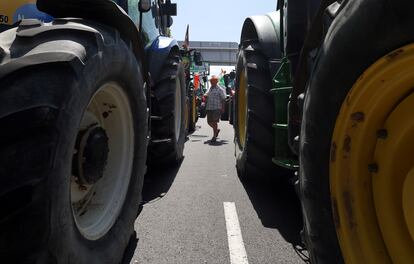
228, 80
324, 99
196, 72
92, 92
191, 57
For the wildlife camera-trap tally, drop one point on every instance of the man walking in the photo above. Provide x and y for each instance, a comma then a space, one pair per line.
215, 99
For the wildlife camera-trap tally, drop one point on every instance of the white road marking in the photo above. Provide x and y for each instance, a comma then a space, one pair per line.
236, 246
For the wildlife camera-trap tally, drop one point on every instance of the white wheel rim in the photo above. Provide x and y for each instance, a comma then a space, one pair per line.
96, 207
177, 110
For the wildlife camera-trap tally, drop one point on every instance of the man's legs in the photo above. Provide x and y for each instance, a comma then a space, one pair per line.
216, 119
213, 125
212, 120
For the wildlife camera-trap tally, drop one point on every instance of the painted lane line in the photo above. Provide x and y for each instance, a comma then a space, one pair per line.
236, 246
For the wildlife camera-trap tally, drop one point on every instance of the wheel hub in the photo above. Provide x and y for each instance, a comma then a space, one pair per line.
101, 178
394, 157
408, 205
92, 155
371, 164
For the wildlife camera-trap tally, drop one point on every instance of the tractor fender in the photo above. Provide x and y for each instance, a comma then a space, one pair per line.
33, 44
20, 51
102, 11
157, 54
265, 28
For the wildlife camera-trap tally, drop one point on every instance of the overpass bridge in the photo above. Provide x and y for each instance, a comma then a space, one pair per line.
216, 53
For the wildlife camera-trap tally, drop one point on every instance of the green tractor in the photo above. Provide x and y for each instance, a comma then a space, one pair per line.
197, 71
324, 98
191, 57
228, 80
91, 93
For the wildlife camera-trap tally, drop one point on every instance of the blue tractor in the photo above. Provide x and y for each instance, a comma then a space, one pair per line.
92, 92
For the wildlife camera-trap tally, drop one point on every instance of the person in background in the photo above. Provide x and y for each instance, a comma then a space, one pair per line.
215, 105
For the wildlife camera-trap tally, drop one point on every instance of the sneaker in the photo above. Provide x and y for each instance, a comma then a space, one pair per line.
213, 139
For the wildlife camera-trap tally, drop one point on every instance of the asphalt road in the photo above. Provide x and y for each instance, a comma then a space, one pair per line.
183, 219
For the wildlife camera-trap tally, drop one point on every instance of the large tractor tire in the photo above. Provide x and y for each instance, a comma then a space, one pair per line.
193, 113
73, 143
225, 113
356, 150
231, 110
169, 104
187, 114
254, 115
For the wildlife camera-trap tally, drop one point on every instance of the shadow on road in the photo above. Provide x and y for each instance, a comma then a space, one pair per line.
130, 250
278, 206
217, 142
158, 181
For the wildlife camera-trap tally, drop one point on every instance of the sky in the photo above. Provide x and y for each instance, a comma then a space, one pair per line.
216, 20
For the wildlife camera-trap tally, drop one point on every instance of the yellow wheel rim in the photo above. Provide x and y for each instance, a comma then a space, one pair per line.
372, 164
242, 108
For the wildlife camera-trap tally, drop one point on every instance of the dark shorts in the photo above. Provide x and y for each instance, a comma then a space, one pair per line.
213, 116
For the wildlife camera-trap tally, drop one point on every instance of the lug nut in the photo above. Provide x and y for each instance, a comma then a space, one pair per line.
373, 167
382, 133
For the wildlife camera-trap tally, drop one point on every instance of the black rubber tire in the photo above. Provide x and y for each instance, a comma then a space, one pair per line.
187, 115
4, 27
43, 100
193, 115
231, 110
225, 114
163, 105
353, 42
254, 159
